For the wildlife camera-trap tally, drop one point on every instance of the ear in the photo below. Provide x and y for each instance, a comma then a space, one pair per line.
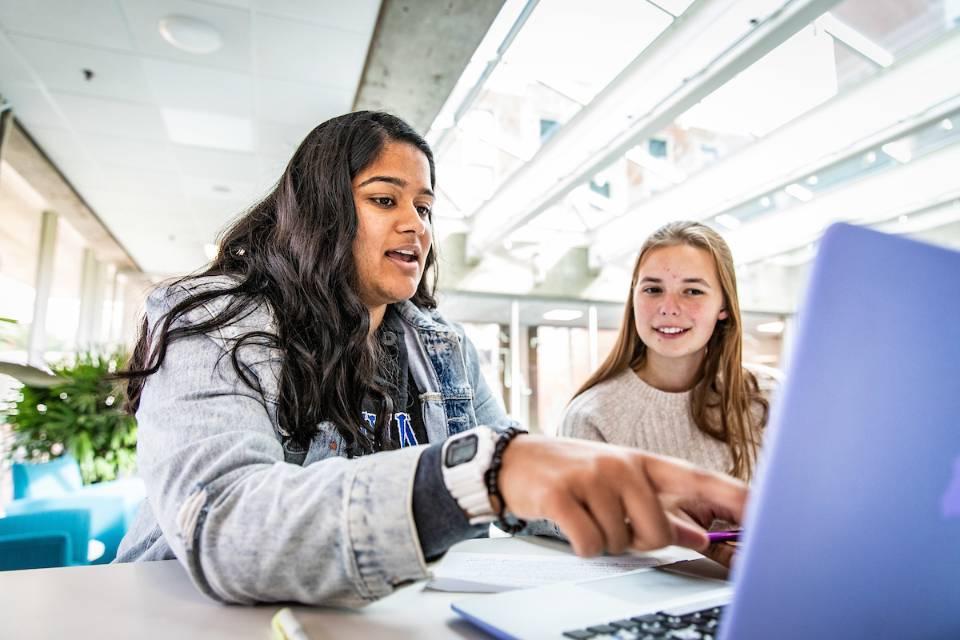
723, 315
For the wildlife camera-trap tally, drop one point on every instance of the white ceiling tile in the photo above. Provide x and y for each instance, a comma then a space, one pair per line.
300, 104
69, 155
61, 67
308, 53
32, 106
281, 140
111, 117
236, 4
235, 194
124, 153
233, 25
358, 16
217, 165
13, 68
94, 22
188, 86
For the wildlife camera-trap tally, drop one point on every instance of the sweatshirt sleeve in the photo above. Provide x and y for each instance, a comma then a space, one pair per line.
249, 527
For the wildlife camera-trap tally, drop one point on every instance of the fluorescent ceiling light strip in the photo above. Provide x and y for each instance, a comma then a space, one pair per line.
855, 40
915, 91
688, 61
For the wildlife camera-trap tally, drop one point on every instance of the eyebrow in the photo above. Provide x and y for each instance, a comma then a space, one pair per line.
685, 280
392, 180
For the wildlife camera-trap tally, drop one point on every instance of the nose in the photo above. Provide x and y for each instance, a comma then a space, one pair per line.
410, 220
669, 306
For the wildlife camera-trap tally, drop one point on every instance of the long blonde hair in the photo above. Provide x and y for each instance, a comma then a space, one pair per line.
724, 383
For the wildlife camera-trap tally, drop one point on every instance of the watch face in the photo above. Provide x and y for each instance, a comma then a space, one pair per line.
461, 450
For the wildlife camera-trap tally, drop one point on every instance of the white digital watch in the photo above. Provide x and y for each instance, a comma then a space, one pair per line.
465, 459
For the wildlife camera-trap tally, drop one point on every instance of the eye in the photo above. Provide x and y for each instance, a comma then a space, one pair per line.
651, 290
424, 211
382, 201
695, 292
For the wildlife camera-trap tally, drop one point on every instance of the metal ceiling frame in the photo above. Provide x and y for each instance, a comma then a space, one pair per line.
544, 176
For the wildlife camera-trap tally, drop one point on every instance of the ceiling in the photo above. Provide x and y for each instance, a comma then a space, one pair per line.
164, 145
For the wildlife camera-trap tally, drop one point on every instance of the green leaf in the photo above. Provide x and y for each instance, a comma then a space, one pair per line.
74, 414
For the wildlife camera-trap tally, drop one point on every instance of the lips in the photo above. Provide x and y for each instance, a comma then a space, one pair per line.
402, 255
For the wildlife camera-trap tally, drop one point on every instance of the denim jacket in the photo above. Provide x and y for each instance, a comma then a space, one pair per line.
252, 516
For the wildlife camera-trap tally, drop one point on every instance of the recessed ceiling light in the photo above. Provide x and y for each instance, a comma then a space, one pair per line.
562, 315
189, 34
204, 129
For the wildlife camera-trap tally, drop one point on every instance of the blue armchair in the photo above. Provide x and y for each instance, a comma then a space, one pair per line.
34, 551
47, 479
57, 485
53, 538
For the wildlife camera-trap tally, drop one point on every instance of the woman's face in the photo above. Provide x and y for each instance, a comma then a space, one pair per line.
393, 200
677, 301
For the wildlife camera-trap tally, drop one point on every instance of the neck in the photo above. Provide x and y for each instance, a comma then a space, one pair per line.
672, 375
376, 317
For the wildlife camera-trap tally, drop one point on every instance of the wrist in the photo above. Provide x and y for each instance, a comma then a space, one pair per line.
465, 459
505, 521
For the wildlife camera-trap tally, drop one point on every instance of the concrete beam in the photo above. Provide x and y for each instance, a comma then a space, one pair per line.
418, 51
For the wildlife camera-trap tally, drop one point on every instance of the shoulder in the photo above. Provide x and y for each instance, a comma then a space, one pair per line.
257, 316
588, 409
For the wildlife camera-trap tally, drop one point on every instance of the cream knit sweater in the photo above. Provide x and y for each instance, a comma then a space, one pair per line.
626, 410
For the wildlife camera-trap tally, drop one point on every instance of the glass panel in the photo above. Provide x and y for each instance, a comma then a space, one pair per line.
20, 219
63, 310
486, 340
564, 352
898, 25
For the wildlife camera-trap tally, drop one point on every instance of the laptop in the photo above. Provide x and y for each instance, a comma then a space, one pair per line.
853, 528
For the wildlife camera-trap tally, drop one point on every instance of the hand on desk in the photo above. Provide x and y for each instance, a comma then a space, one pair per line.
608, 498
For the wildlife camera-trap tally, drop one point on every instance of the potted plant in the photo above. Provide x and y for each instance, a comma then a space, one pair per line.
77, 410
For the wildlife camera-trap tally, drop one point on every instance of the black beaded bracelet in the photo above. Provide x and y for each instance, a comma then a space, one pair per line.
492, 478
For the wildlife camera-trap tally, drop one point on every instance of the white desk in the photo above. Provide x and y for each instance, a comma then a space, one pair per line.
157, 600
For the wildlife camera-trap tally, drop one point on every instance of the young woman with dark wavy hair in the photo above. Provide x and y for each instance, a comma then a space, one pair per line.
674, 382
310, 429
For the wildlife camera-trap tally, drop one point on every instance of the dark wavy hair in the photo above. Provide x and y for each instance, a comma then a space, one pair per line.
293, 251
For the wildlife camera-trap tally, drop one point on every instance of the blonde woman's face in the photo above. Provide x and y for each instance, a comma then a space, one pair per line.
678, 301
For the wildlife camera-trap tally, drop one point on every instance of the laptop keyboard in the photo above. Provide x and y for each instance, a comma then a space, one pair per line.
697, 625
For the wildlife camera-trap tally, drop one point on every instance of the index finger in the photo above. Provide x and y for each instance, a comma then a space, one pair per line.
669, 475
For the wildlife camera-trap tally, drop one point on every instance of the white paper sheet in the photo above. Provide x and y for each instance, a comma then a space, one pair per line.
494, 572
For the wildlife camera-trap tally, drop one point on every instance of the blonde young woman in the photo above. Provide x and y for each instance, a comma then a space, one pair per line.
674, 383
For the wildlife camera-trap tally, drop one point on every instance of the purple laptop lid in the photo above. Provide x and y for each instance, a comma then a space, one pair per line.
854, 528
